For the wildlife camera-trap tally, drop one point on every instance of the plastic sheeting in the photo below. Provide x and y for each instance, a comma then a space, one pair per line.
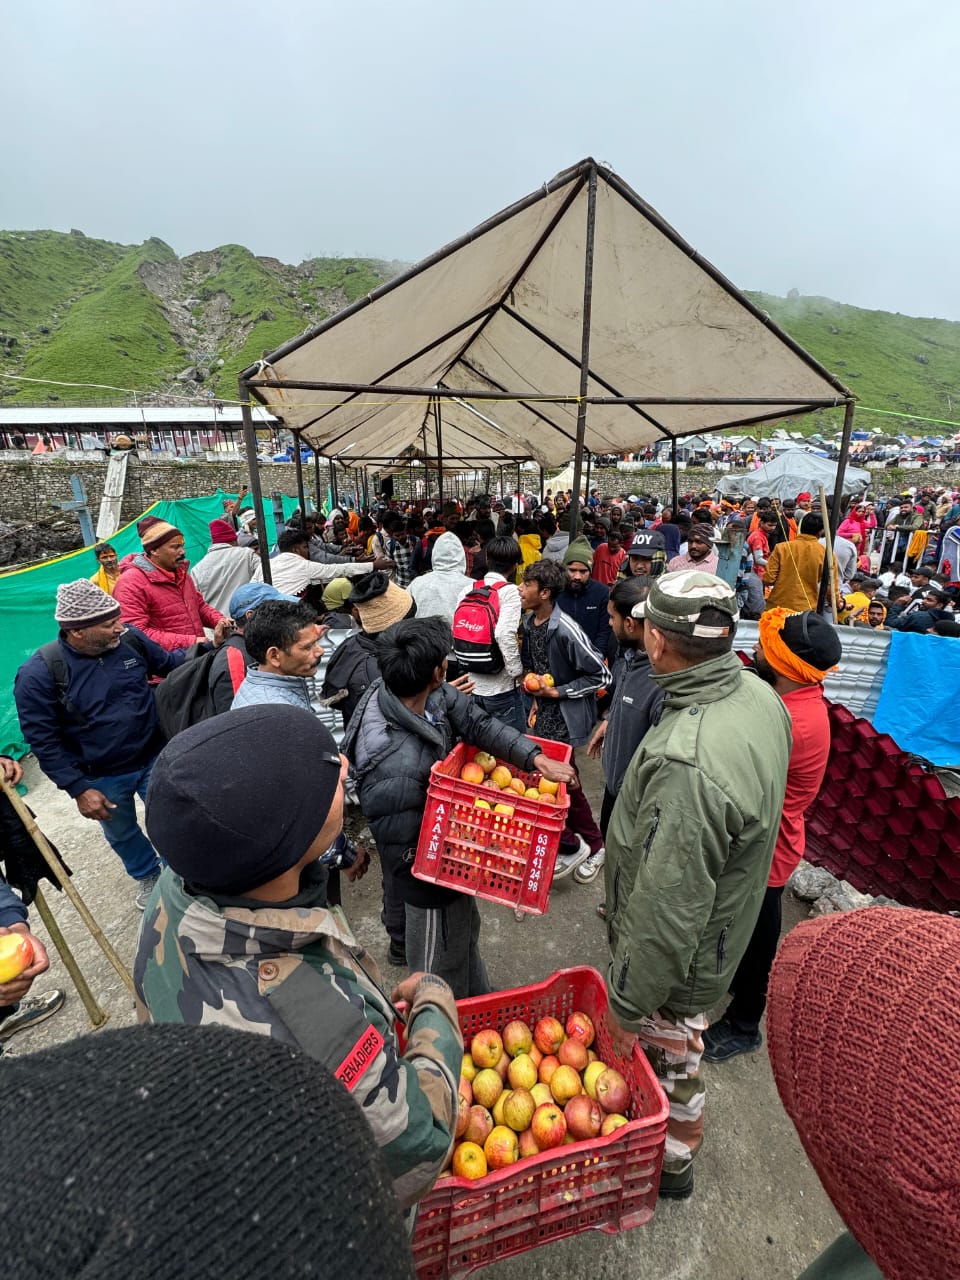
792, 473
918, 703
28, 596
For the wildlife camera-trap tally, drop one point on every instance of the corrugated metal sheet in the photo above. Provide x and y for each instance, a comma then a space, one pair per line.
857, 683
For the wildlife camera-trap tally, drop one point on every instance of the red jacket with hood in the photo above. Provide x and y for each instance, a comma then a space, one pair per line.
165, 606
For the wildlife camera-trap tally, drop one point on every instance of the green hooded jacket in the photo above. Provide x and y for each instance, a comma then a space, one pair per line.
691, 839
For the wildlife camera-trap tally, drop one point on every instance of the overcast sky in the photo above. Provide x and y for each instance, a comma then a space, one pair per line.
809, 146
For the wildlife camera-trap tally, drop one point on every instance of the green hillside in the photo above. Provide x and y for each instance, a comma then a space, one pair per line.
77, 309
889, 361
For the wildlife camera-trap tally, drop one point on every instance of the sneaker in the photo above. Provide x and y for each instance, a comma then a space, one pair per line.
676, 1186
591, 867
32, 1010
723, 1041
397, 955
567, 862
144, 890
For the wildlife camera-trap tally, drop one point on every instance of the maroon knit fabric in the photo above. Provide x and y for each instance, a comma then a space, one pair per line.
863, 1031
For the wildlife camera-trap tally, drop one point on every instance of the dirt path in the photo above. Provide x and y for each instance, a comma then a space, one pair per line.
758, 1213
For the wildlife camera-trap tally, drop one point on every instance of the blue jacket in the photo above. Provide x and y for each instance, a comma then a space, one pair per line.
118, 732
12, 910
589, 611
577, 669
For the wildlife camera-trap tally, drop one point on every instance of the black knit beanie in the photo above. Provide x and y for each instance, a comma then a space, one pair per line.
163, 1152
812, 639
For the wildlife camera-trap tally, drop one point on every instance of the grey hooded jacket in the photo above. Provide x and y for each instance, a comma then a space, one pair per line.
438, 591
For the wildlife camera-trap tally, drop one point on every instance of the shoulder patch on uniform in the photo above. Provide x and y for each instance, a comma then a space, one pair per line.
360, 1058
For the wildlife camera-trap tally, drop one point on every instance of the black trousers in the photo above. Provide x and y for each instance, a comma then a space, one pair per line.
609, 800
753, 973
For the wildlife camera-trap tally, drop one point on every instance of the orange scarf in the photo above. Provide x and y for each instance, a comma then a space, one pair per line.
780, 656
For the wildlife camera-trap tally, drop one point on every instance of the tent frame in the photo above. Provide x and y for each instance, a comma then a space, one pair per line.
256, 379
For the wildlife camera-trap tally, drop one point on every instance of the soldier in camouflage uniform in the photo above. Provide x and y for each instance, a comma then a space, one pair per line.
237, 931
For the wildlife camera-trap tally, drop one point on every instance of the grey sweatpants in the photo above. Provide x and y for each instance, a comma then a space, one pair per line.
446, 941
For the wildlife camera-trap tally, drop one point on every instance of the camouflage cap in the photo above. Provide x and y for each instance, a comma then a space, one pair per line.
676, 601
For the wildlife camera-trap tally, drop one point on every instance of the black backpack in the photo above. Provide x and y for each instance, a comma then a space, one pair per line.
184, 696
474, 622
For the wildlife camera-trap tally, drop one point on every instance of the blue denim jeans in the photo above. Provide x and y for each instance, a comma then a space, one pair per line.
504, 706
121, 829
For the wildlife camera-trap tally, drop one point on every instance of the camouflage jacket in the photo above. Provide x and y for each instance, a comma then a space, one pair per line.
299, 975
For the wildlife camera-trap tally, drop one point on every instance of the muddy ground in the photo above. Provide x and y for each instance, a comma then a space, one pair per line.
758, 1212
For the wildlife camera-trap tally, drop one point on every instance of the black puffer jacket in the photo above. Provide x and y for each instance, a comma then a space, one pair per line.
353, 667
392, 750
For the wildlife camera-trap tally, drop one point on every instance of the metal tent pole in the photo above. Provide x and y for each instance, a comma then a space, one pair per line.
298, 464
542, 494
437, 427
333, 485
675, 488
586, 483
316, 478
574, 525
253, 471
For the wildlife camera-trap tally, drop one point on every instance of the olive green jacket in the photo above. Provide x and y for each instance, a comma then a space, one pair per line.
691, 839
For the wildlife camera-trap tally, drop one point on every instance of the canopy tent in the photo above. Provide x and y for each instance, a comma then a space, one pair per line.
580, 297
792, 473
491, 330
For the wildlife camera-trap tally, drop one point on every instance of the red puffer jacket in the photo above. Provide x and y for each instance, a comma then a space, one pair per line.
165, 606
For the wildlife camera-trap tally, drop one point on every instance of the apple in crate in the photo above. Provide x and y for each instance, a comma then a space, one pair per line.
472, 773
548, 1035
592, 1074
517, 1038
479, 1124
501, 1148
486, 1048
469, 1161
486, 761
521, 1072
613, 1092
583, 1117
518, 1110
580, 1027
548, 1126
612, 1122
573, 1054
565, 1084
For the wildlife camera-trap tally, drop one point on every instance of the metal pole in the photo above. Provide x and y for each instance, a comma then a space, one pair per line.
673, 476
298, 467
542, 494
586, 483
316, 477
574, 525
518, 482
253, 471
95, 1012
831, 525
333, 484
437, 427
53, 862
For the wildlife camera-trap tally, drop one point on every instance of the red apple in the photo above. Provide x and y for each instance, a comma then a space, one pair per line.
572, 1053
613, 1092
548, 1035
517, 1038
580, 1027
501, 1147
548, 1126
465, 1090
547, 1067
583, 1117
486, 1048
503, 1065
536, 1056
527, 1144
479, 1124
531, 682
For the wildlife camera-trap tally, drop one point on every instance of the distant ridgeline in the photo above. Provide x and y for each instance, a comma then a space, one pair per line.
75, 309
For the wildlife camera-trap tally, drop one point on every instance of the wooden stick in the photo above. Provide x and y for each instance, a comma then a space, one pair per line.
97, 1015
53, 862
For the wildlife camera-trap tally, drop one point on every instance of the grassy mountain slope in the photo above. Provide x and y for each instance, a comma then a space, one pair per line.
76, 309
888, 361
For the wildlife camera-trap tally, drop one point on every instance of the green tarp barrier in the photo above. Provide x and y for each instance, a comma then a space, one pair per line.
28, 596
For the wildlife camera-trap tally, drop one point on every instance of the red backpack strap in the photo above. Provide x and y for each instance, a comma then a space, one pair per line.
236, 666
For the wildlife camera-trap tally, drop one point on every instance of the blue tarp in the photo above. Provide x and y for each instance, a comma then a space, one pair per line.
918, 702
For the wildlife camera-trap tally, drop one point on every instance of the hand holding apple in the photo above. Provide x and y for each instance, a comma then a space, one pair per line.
26, 946
556, 771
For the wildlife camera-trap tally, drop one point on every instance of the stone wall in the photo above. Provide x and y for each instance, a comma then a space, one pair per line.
29, 487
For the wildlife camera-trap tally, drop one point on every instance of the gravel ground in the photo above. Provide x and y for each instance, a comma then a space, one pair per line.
758, 1213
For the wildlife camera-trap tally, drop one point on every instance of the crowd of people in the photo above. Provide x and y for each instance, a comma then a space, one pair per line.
384, 639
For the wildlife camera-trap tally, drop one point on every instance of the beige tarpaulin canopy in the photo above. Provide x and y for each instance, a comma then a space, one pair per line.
494, 323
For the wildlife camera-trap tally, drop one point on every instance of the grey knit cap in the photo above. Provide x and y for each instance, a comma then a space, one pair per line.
83, 604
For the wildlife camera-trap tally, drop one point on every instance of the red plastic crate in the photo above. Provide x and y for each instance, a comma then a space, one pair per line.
491, 855
604, 1184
